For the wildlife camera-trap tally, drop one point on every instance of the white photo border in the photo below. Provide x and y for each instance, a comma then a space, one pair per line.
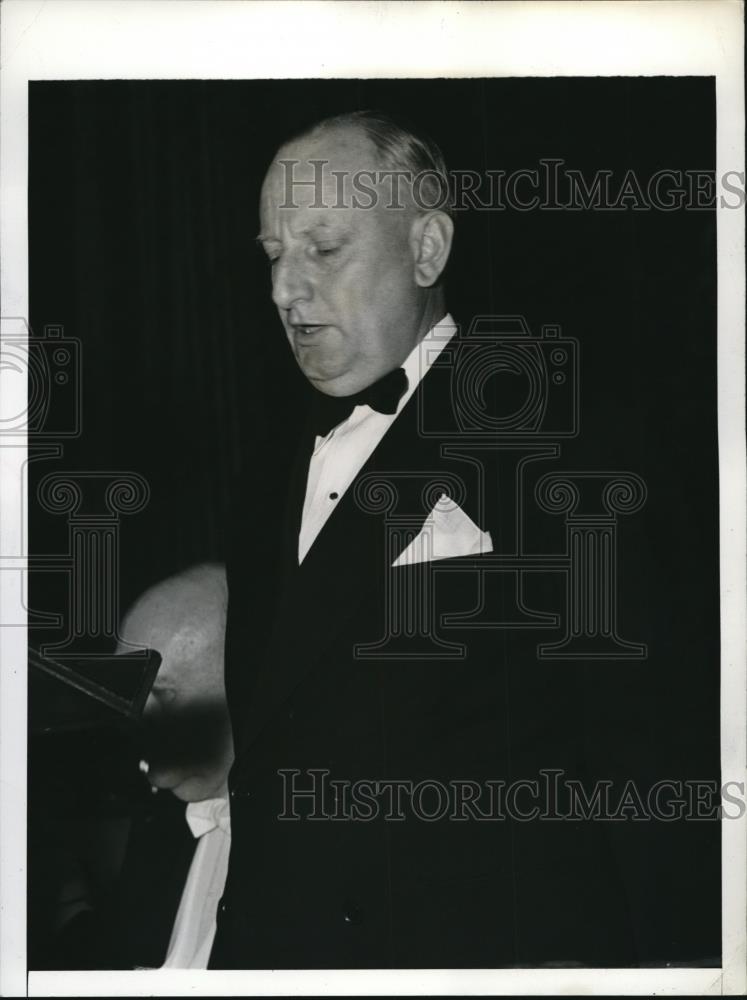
244, 39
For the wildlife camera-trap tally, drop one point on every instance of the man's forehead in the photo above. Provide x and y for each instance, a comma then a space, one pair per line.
344, 147
324, 163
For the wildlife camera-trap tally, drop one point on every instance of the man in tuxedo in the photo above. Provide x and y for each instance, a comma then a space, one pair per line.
345, 691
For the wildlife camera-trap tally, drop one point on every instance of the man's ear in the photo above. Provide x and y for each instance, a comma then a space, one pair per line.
430, 239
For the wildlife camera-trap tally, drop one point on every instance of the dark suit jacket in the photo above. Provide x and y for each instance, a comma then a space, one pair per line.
397, 893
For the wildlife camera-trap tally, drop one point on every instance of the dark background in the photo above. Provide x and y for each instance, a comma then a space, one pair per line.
142, 217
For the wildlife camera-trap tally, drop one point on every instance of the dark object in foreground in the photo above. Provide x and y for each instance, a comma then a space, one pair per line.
89, 692
84, 790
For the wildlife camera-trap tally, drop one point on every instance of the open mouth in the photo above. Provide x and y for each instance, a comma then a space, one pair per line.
308, 329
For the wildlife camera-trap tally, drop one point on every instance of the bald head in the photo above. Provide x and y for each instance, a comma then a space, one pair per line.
186, 726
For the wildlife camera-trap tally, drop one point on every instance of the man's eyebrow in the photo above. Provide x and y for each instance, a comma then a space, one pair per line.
322, 226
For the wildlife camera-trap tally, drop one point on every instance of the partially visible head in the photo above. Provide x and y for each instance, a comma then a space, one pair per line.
186, 727
356, 251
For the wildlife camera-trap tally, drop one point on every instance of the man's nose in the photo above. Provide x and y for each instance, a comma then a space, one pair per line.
290, 282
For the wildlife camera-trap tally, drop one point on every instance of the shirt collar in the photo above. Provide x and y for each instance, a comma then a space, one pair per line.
416, 364
424, 353
207, 814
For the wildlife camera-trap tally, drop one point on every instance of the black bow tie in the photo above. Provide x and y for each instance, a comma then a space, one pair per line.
383, 396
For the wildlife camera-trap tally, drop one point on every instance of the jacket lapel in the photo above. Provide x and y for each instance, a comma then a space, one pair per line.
347, 560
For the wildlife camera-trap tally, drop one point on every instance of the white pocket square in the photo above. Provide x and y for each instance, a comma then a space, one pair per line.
447, 532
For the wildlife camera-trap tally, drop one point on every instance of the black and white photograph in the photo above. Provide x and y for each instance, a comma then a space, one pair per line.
373, 542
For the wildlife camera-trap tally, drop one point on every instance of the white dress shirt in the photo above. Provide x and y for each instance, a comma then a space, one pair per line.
194, 927
339, 457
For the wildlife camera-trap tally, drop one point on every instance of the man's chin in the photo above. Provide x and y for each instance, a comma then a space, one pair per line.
329, 379
331, 388
340, 382
177, 784
329, 375
185, 793
193, 789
